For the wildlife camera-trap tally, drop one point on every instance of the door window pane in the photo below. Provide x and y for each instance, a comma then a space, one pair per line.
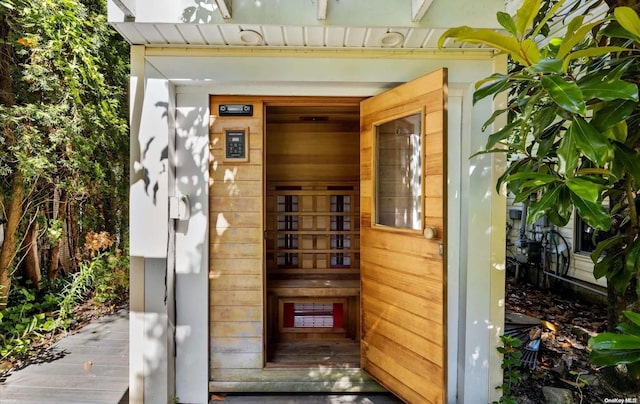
399, 173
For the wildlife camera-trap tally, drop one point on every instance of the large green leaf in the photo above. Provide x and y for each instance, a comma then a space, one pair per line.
618, 132
490, 89
507, 22
605, 245
629, 20
630, 160
530, 52
585, 189
525, 15
591, 142
608, 89
633, 317
545, 143
589, 53
560, 214
485, 36
608, 266
615, 357
500, 135
493, 117
550, 14
548, 66
538, 179
572, 27
632, 255
515, 166
541, 119
628, 328
525, 182
594, 214
572, 38
493, 77
546, 202
615, 30
566, 94
568, 155
612, 341
612, 113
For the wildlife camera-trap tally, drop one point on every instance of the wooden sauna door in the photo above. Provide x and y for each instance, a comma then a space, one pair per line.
402, 270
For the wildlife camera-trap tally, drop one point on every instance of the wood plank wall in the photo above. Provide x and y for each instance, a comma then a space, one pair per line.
236, 244
303, 147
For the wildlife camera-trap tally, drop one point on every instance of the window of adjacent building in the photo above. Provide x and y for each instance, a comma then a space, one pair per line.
584, 234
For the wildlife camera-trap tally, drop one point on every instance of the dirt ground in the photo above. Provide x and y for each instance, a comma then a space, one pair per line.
567, 323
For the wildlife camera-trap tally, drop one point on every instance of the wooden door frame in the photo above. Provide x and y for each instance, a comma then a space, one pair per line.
292, 101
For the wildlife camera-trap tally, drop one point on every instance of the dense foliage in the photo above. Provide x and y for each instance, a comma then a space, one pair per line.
33, 317
573, 137
63, 135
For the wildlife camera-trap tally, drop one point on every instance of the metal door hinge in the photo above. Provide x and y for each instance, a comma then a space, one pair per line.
441, 249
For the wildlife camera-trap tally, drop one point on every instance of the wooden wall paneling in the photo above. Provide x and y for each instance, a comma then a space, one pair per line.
303, 153
236, 251
402, 273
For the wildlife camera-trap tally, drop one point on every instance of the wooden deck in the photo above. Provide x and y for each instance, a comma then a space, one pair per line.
90, 366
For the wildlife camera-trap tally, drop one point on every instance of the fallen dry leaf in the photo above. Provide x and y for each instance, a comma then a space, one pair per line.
86, 366
215, 397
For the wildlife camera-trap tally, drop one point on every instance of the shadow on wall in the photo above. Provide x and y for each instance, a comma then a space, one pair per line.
202, 12
151, 178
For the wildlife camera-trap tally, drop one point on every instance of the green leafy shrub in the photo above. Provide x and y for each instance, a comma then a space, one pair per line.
112, 280
33, 314
80, 287
27, 320
612, 349
511, 357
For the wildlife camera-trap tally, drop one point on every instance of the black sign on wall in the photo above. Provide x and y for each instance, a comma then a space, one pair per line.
235, 110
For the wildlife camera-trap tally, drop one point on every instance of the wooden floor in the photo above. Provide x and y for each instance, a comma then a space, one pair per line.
91, 366
339, 353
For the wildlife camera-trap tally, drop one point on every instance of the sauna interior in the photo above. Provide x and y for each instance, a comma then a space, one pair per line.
312, 235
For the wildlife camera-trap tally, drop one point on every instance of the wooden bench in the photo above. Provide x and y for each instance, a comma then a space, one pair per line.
336, 291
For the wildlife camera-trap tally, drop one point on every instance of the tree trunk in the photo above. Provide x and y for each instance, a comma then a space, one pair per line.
9, 247
31, 267
59, 213
72, 240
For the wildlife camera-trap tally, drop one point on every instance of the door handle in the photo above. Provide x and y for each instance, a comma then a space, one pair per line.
430, 233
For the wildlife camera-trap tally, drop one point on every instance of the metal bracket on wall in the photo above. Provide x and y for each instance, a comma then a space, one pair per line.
179, 207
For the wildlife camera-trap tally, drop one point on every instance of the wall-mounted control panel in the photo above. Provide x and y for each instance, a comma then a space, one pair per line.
236, 144
235, 110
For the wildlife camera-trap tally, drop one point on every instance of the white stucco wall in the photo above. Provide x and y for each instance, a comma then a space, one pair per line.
152, 124
192, 248
482, 270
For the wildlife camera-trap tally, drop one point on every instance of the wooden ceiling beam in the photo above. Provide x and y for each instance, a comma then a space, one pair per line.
224, 7
419, 9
